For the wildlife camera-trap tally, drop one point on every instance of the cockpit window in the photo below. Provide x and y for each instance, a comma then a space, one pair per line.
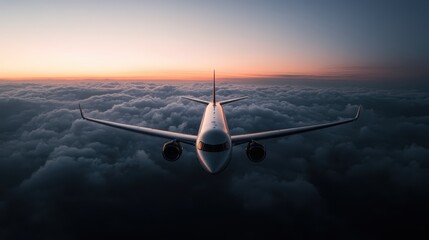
212, 148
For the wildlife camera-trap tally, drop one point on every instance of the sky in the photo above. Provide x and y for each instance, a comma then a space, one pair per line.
65, 178
187, 39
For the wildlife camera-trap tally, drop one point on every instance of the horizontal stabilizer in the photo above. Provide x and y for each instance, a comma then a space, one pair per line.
197, 100
232, 100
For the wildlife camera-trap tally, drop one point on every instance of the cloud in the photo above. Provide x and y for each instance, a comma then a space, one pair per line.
63, 177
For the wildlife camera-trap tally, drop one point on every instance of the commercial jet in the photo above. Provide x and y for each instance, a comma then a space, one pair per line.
214, 142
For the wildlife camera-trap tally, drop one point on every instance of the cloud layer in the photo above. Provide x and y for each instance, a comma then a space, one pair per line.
63, 177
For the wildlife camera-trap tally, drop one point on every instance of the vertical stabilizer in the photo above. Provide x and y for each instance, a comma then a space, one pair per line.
214, 86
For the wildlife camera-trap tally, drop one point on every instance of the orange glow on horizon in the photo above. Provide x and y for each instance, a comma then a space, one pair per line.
160, 75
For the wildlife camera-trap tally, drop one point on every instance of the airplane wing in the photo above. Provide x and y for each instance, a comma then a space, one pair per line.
244, 138
181, 137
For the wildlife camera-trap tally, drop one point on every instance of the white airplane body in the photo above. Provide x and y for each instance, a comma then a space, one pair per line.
214, 142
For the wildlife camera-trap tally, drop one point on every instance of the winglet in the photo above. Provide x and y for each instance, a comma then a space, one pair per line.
81, 113
358, 113
214, 86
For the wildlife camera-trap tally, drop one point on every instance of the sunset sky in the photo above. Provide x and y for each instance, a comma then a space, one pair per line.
187, 39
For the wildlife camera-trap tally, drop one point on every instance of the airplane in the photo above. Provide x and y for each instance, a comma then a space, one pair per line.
214, 142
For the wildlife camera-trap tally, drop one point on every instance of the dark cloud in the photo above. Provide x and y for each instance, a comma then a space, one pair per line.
63, 177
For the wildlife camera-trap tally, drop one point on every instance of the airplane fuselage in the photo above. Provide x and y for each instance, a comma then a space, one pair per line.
213, 145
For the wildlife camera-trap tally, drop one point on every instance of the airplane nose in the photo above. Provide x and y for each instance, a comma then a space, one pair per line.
214, 162
214, 166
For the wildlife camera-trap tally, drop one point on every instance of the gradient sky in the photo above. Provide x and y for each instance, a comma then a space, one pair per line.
187, 39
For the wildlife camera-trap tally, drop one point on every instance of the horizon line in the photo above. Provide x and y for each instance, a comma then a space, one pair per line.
206, 78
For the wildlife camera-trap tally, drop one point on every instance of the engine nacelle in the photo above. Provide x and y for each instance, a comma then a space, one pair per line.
171, 151
255, 151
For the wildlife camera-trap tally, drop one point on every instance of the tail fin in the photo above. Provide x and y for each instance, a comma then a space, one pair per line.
214, 86
214, 93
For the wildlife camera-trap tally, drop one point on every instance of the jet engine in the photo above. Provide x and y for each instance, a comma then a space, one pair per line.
255, 151
171, 151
